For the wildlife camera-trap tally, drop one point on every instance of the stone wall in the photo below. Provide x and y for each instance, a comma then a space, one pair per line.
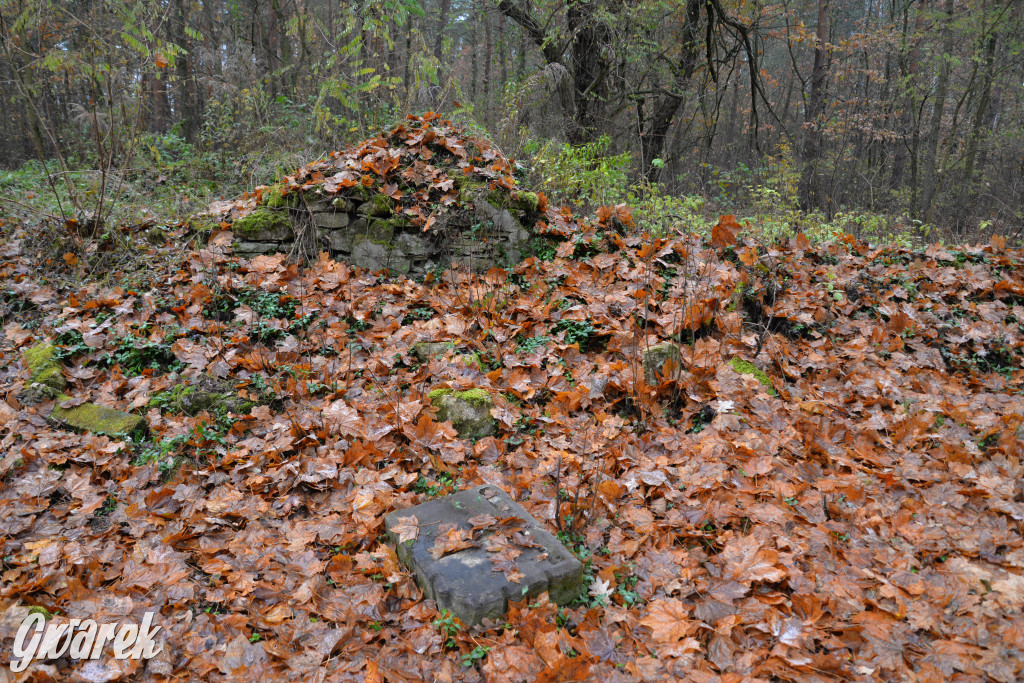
483, 229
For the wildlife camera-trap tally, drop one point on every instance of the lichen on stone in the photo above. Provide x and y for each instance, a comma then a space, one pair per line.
263, 224
212, 395
745, 367
424, 351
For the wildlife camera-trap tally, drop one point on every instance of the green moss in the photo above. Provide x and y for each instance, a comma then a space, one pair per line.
200, 224
40, 357
745, 367
39, 609
44, 366
276, 198
526, 201
438, 393
263, 224
97, 419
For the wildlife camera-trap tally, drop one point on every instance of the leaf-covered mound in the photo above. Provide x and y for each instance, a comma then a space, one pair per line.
420, 171
858, 517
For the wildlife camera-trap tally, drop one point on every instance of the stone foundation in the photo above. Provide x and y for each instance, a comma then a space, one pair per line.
486, 229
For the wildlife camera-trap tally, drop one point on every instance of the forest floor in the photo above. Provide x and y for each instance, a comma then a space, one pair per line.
856, 515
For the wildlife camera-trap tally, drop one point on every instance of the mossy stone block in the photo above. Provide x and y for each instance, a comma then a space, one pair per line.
469, 411
90, 417
655, 359
45, 370
379, 205
526, 201
263, 225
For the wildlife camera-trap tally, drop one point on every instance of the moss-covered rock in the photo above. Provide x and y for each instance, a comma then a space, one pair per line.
655, 359
526, 201
45, 375
745, 367
379, 205
90, 417
277, 198
210, 395
469, 411
263, 225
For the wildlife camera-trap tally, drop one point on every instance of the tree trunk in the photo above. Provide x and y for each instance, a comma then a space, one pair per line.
666, 105
931, 171
810, 180
981, 109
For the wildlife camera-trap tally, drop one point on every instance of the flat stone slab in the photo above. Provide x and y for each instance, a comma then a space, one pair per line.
475, 550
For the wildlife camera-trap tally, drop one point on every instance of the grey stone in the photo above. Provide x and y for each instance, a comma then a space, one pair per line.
331, 221
506, 222
318, 205
338, 240
243, 248
464, 582
424, 351
655, 359
373, 256
414, 246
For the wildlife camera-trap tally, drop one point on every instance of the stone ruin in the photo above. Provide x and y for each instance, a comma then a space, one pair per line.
363, 229
420, 197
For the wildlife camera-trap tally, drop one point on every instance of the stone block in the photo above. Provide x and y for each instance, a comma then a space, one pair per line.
468, 411
374, 257
414, 246
331, 220
655, 359
477, 582
248, 248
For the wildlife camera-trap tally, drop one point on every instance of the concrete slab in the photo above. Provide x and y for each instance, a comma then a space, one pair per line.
510, 555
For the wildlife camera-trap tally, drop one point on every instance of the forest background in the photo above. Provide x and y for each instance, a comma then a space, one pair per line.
884, 118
